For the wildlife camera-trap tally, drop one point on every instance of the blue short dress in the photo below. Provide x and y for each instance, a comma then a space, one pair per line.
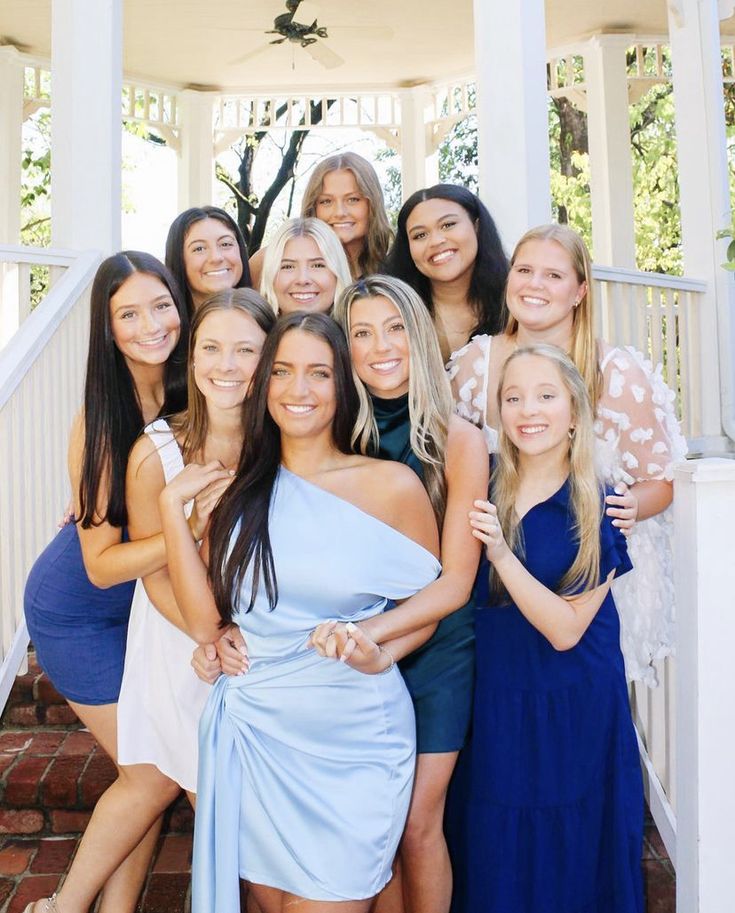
78, 630
552, 811
305, 764
440, 674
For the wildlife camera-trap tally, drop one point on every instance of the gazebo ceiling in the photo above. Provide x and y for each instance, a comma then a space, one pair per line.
380, 43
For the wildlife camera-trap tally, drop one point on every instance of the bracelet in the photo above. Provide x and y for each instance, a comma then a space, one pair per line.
392, 660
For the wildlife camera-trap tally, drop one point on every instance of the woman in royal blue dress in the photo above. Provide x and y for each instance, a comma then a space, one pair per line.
553, 815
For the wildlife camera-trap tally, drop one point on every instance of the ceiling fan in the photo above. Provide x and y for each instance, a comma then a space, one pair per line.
300, 26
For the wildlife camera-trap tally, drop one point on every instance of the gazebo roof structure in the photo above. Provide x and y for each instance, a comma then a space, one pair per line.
380, 44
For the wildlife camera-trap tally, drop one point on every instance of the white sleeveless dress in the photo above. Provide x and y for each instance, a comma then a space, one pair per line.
161, 698
638, 440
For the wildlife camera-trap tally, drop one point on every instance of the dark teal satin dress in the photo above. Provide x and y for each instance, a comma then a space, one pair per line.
439, 675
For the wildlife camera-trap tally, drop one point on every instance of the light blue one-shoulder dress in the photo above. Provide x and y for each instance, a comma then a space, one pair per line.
306, 765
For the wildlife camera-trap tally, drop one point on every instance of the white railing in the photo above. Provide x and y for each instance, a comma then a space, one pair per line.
704, 573
659, 315
17, 265
41, 376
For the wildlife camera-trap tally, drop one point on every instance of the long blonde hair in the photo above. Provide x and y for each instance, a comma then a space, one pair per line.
585, 491
584, 351
192, 425
429, 393
324, 238
380, 235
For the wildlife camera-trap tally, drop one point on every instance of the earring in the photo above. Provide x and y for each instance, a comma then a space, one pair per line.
571, 433
576, 302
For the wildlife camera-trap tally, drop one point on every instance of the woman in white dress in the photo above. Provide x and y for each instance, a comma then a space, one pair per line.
161, 698
549, 299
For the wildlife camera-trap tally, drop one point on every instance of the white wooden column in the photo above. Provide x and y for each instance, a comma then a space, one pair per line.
705, 684
415, 145
512, 114
86, 128
196, 149
11, 130
611, 168
705, 202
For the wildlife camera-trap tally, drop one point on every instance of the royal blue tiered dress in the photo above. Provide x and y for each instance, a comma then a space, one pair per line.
553, 800
305, 764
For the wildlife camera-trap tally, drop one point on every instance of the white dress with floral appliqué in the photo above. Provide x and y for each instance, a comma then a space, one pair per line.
639, 439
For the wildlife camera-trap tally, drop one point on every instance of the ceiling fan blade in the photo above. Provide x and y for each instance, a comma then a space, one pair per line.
324, 55
249, 56
369, 33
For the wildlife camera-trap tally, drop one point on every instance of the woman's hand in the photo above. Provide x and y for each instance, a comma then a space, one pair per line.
204, 503
329, 639
68, 516
232, 651
486, 527
206, 664
190, 482
349, 644
623, 505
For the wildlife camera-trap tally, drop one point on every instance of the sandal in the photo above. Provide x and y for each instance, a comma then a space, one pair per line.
50, 907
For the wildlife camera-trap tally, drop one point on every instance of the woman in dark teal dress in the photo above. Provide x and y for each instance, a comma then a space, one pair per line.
553, 811
406, 415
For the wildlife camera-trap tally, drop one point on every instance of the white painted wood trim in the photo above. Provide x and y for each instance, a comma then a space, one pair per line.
658, 803
36, 330
38, 256
659, 280
13, 661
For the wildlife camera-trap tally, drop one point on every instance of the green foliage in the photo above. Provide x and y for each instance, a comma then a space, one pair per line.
458, 154
392, 190
655, 181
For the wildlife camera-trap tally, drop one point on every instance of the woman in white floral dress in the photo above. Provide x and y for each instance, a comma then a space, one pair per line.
549, 299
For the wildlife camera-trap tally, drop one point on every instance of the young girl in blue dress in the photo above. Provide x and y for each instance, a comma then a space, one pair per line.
553, 815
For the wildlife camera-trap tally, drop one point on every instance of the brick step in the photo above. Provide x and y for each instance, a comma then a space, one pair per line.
34, 702
50, 781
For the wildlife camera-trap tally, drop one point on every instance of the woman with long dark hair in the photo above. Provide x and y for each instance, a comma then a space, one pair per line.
306, 764
447, 248
206, 253
78, 594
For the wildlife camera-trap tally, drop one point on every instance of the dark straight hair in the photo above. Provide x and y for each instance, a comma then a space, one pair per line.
113, 418
177, 237
246, 503
487, 284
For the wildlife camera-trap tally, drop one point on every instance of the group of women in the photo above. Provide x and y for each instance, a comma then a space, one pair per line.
326, 596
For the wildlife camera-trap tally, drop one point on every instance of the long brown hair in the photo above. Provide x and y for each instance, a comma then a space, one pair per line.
429, 392
379, 234
192, 426
584, 351
239, 534
585, 490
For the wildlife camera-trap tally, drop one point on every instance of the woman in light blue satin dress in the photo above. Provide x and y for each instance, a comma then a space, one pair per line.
306, 764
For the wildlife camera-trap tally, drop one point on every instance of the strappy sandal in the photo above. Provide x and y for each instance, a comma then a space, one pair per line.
50, 902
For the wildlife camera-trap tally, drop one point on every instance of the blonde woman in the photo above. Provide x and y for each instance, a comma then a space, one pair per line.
406, 415
553, 814
549, 298
305, 268
344, 192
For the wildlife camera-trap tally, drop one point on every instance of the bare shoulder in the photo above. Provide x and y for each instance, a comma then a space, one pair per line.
390, 479
141, 464
465, 445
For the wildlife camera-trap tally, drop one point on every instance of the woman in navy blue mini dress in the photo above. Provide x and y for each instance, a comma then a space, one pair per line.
553, 814
78, 594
